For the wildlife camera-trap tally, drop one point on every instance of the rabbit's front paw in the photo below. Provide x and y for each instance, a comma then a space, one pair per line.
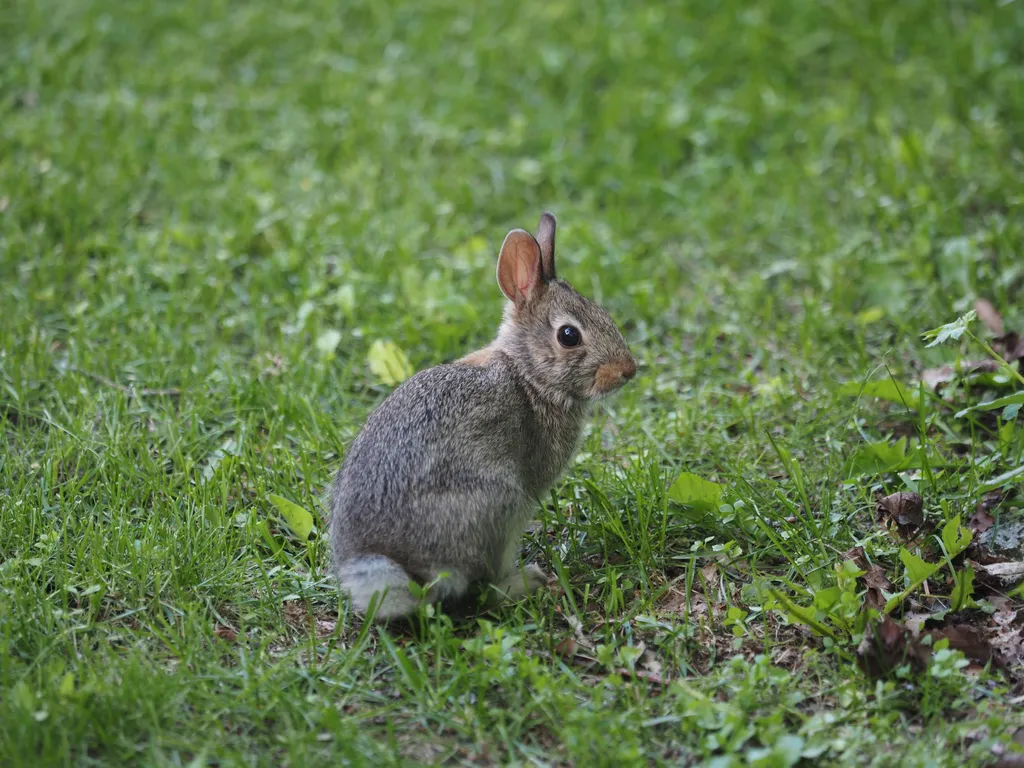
520, 583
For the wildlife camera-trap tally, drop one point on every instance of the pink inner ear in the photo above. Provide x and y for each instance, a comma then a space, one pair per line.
522, 273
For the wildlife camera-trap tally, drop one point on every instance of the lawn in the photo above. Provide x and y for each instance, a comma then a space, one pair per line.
216, 218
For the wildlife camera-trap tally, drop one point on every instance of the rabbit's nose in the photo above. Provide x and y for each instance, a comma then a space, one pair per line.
629, 369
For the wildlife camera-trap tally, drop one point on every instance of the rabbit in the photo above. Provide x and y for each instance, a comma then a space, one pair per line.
439, 485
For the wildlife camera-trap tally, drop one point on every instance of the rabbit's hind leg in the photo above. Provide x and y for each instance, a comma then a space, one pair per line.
367, 576
364, 576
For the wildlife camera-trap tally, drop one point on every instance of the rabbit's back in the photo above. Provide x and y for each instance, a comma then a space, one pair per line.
446, 443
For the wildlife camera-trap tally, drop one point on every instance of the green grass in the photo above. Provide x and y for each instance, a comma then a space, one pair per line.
774, 199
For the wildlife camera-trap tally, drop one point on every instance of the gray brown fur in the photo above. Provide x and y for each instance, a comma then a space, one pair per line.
448, 470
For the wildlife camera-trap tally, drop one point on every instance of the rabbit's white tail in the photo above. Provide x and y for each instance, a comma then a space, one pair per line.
365, 576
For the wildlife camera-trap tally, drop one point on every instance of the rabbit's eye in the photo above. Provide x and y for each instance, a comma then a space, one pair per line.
568, 336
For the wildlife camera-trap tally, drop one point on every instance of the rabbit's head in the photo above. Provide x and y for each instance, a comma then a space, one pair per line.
566, 345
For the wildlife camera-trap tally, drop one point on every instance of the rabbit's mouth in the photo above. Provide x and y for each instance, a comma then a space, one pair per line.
612, 376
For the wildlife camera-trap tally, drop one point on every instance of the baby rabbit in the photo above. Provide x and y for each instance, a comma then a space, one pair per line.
449, 469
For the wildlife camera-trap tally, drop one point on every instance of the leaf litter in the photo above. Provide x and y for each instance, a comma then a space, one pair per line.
877, 584
903, 510
989, 315
993, 638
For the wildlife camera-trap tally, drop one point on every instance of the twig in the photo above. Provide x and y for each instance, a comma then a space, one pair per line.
130, 390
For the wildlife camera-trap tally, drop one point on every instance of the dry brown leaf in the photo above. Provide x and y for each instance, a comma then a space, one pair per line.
979, 553
1010, 643
675, 603
326, 627
886, 646
934, 378
874, 579
857, 555
971, 641
981, 520
989, 315
567, 648
711, 579
295, 613
1012, 346
904, 509
1001, 575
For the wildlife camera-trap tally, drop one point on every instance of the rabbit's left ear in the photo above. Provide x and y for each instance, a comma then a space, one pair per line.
519, 270
546, 241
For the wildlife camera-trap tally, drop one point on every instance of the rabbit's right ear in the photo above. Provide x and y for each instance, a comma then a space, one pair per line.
519, 267
546, 241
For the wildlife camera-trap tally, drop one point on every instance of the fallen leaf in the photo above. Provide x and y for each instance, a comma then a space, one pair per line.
858, 557
325, 627
1001, 543
295, 613
934, 378
993, 499
694, 491
710, 577
298, 519
989, 315
914, 621
389, 363
971, 641
1012, 346
887, 646
566, 648
874, 579
904, 509
675, 603
981, 520
1001, 575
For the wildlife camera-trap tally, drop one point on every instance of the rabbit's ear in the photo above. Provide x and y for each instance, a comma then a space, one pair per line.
519, 271
546, 240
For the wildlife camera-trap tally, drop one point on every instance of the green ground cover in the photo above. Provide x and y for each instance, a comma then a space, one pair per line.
209, 214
